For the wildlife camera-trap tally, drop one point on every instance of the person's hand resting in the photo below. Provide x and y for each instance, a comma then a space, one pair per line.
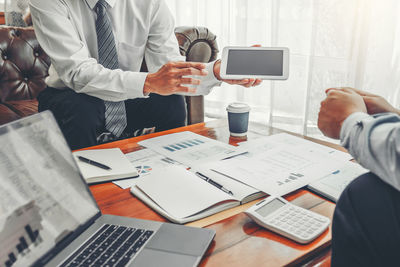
338, 105
375, 103
170, 78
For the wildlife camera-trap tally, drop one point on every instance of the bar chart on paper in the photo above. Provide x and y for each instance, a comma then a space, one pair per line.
183, 145
292, 177
189, 148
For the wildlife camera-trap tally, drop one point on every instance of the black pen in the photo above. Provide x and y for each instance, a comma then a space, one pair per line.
94, 163
214, 183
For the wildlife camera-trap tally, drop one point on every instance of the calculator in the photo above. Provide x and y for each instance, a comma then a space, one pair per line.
284, 218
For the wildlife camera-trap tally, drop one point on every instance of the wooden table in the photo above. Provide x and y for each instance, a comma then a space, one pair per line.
238, 241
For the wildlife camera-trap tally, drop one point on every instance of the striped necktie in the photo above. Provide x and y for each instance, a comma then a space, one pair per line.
115, 113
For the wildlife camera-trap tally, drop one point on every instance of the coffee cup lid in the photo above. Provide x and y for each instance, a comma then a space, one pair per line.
238, 107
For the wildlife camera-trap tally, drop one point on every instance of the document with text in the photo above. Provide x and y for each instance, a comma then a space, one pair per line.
280, 169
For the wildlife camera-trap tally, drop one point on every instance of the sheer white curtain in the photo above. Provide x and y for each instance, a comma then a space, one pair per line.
14, 11
333, 43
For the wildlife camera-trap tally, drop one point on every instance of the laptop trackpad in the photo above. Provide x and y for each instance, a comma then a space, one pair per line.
156, 258
182, 240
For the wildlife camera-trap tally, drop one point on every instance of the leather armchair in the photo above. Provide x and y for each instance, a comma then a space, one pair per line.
24, 67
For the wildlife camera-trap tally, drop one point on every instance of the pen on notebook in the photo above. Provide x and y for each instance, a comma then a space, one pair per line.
214, 183
94, 163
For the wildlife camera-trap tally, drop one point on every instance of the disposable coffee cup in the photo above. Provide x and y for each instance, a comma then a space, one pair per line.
238, 118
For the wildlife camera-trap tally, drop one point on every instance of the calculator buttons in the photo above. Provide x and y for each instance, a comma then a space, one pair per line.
293, 222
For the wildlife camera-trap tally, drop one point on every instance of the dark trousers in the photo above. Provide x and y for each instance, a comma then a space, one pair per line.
81, 117
366, 224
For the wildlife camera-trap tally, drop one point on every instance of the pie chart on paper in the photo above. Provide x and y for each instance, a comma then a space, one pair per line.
142, 170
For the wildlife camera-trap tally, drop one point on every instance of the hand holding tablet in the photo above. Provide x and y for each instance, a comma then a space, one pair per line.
263, 63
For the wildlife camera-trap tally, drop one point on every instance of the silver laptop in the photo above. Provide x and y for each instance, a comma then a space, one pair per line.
49, 218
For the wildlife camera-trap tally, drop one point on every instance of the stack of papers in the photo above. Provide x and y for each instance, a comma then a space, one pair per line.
282, 163
275, 165
169, 168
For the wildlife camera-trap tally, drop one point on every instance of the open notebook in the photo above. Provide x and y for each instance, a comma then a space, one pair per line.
182, 196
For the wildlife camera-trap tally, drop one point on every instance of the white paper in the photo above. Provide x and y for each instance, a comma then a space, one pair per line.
279, 170
190, 148
269, 142
181, 193
338, 180
146, 162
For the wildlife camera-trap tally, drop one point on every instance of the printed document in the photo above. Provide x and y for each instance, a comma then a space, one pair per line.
190, 148
280, 169
146, 162
265, 143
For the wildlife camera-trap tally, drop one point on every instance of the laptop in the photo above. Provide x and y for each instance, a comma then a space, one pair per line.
48, 216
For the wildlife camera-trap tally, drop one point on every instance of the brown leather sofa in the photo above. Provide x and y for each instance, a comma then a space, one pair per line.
24, 66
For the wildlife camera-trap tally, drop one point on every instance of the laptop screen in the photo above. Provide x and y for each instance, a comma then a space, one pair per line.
42, 195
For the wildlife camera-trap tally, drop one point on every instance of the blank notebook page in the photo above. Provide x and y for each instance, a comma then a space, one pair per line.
181, 193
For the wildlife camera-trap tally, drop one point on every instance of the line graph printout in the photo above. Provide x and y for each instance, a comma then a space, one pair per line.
190, 148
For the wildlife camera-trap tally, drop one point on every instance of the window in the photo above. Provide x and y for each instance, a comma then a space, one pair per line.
333, 43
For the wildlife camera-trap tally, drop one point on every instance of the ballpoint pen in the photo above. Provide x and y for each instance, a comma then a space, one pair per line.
214, 183
94, 163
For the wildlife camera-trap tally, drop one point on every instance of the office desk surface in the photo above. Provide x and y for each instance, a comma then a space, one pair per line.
239, 241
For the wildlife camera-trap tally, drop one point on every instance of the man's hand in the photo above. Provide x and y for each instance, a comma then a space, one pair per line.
339, 104
375, 103
170, 78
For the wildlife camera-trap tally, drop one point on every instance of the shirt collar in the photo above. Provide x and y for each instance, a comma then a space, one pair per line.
92, 3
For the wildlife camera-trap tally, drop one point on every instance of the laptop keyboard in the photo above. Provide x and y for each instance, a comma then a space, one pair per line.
112, 245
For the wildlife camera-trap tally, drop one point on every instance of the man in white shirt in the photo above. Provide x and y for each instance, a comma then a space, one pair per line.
96, 49
366, 223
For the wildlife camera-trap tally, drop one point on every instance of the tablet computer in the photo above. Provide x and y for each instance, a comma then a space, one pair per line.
266, 63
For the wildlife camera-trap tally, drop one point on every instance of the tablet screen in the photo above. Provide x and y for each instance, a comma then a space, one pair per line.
255, 62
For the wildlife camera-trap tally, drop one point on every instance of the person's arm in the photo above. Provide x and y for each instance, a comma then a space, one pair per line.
374, 141
162, 47
70, 57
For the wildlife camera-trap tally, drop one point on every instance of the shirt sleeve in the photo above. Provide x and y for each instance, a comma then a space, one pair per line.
70, 57
162, 47
374, 141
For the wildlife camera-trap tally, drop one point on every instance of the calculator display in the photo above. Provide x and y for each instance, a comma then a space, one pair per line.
270, 207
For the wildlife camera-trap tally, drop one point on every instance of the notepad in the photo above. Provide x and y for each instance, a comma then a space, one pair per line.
182, 196
114, 158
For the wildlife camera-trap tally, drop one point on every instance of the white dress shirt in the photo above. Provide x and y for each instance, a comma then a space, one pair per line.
374, 141
142, 28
